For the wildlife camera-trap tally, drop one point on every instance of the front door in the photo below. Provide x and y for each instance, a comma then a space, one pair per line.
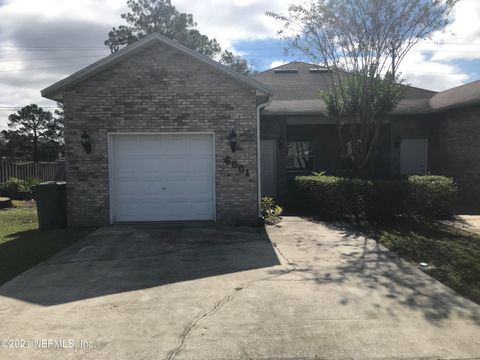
267, 155
414, 156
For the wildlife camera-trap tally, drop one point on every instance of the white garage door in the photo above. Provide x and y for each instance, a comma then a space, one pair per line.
162, 177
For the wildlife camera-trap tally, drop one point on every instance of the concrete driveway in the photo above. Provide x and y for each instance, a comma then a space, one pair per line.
213, 292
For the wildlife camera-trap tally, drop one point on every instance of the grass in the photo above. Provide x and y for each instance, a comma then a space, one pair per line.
23, 245
454, 254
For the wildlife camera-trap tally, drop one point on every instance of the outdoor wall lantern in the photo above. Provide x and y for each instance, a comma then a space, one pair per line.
281, 142
86, 143
397, 141
233, 139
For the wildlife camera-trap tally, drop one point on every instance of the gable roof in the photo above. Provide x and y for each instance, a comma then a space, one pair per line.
296, 92
55, 91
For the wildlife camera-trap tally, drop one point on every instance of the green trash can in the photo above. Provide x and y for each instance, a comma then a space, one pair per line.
51, 204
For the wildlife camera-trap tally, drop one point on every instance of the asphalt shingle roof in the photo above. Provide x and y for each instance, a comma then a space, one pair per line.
296, 93
463, 95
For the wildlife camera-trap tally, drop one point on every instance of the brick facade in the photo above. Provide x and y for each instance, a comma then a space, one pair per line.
455, 150
453, 139
159, 90
453, 146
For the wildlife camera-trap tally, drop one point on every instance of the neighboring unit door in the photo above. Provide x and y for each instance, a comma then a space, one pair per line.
267, 161
414, 156
162, 177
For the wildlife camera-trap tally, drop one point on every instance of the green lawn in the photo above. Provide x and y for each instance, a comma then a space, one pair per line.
454, 253
22, 245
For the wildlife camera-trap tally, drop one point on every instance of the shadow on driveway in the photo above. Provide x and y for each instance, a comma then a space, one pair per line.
123, 258
351, 259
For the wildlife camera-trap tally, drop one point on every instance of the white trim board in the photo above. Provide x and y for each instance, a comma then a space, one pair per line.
273, 144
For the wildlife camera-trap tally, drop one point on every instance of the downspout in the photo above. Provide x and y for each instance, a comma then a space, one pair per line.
259, 171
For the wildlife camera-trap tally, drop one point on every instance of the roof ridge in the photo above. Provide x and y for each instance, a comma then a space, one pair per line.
458, 87
288, 63
419, 88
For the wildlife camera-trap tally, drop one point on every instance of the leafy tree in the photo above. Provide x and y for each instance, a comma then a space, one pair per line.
5, 151
30, 126
52, 144
237, 63
361, 43
14, 145
55, 127
149, 16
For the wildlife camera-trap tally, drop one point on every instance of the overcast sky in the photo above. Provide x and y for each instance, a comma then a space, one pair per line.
42, 41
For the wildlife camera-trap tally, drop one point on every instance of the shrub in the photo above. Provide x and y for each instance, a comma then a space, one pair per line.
321, 195
270, 211
385, 200
356, 193
12, 186
431, 196
32, 182
334, 198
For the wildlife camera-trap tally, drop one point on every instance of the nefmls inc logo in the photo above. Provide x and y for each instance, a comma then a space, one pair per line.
55, 343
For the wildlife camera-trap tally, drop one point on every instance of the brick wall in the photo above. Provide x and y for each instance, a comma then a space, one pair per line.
453, 146
455, 150
159, 90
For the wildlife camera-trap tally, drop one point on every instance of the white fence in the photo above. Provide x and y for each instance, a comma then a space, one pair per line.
45, 171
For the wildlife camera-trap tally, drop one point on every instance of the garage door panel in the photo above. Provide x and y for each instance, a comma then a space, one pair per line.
135, 167
175, 145
176, 213
164, 188
177, 189
196, 146
132, 189
135, 146
202, 186
175, 167
162, 177
197, 210
201, 166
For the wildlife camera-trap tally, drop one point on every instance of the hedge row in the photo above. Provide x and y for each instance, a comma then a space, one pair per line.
334, 198
13, 185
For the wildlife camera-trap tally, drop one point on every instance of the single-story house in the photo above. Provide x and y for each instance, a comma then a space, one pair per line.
158, 132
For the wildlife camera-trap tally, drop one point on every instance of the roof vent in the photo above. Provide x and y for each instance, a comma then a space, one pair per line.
286, 71
318, 70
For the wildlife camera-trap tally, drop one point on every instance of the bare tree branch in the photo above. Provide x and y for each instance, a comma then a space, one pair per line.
362, 43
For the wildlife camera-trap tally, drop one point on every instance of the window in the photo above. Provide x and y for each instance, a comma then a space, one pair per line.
300, 156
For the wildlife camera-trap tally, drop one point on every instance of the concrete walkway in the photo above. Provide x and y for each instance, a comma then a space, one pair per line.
466, 219
211, 292
469, 222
